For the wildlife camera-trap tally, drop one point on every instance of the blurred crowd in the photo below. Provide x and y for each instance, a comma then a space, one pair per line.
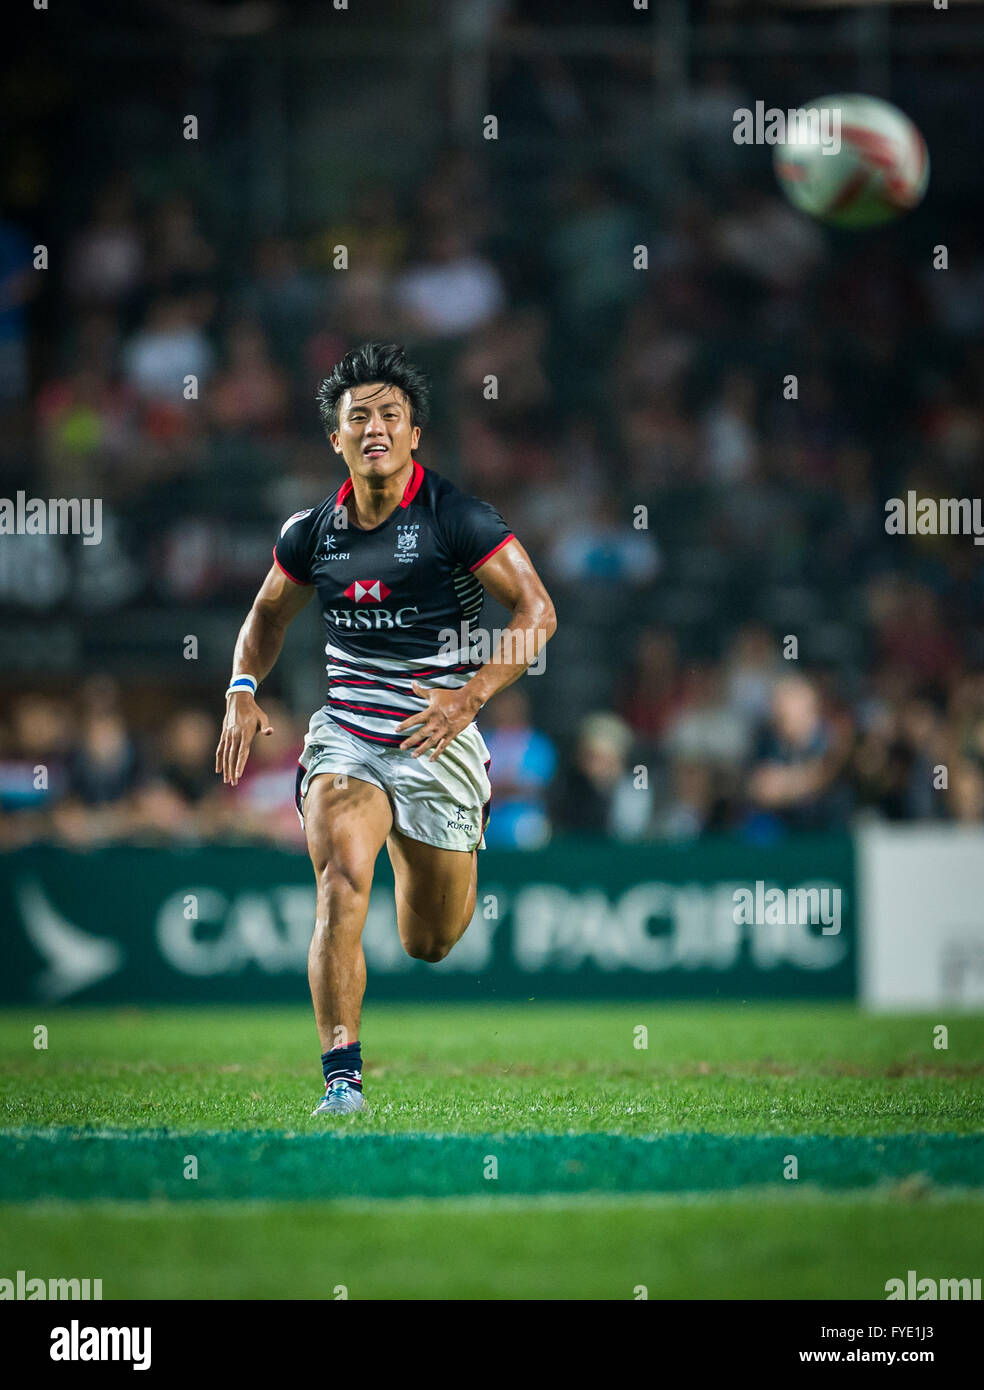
747, 748
696, 445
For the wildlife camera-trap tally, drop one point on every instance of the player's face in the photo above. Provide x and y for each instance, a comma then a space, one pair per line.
374, 434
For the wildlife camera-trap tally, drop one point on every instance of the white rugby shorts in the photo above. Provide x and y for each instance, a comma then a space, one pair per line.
443, 803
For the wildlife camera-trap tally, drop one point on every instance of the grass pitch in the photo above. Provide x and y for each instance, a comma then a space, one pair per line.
519, 1151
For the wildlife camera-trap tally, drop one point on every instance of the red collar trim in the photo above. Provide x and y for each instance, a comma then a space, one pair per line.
409, 492
413, 486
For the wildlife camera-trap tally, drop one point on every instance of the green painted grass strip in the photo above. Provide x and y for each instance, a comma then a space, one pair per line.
79, 1164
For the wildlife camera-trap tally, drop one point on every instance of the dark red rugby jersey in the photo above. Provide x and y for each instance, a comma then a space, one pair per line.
398, 601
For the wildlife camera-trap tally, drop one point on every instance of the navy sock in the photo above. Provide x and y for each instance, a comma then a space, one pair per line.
343, 1064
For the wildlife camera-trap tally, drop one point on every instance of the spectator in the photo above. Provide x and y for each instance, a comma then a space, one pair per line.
249, 393
510, 348
105, 766
180, 257
283, 296
604, 548
33, 768
523, 765
691, 805
262, 806
167, 350
105, 771
105, 262
184, 800
598, 794
730, 441
18, 286
87, 428
762, 237
451, 291
590, 248
706, 725
655, 690
912, 636
792, 781
752, 668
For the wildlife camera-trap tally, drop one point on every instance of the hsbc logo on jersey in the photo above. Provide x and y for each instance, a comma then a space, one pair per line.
371, 619
368, 591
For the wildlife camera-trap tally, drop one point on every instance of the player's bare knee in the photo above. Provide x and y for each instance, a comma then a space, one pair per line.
430, 950
340, 881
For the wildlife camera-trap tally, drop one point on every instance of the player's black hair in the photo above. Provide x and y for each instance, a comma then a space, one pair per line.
384, 362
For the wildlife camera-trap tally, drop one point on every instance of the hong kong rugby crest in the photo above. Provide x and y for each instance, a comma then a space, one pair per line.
406, 542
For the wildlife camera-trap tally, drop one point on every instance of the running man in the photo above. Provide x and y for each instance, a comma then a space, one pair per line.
400, 560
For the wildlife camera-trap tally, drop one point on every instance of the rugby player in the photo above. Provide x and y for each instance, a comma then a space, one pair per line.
399, 559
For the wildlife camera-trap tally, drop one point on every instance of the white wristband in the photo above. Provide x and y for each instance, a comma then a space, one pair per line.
241, 683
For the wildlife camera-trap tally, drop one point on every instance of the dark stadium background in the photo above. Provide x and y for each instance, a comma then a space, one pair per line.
617, 388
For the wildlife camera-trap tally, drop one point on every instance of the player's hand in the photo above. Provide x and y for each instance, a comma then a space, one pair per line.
447, 713
243, 721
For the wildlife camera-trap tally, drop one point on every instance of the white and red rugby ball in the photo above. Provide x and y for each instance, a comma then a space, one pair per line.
878, 170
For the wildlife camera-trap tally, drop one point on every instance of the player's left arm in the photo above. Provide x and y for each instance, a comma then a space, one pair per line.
509, 576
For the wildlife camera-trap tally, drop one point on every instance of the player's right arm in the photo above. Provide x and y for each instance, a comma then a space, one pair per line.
261, 637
